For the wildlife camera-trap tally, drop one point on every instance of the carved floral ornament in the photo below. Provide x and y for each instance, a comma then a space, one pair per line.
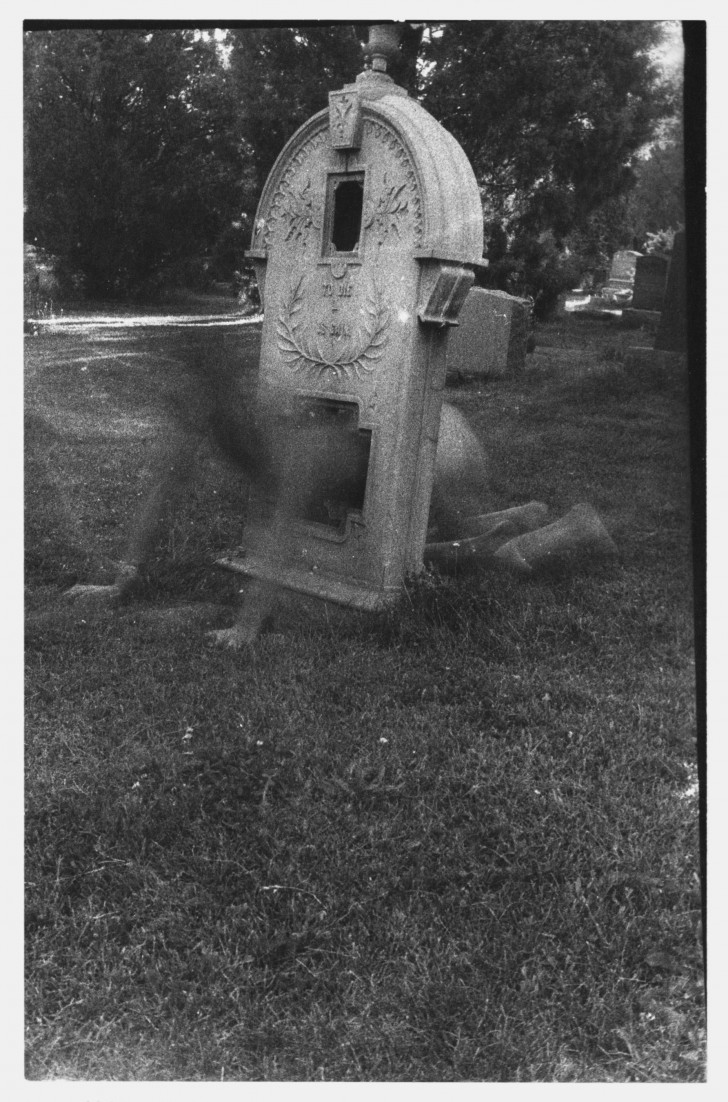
296, 209
384, 213
359, 351
298, 205
394, 195
299, 210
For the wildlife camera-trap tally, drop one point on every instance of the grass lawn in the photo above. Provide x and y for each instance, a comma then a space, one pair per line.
454, 841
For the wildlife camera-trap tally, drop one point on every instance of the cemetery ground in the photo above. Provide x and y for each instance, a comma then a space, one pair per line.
454, 841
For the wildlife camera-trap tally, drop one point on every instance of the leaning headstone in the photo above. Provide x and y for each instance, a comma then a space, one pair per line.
367, 236
492, 336
672, 334
649, 282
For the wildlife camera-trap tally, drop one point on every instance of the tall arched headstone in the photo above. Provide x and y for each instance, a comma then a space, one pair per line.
366, 239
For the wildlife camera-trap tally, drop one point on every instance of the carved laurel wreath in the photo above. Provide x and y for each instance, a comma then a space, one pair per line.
358, 354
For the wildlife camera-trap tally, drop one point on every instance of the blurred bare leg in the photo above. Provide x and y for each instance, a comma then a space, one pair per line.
173, 468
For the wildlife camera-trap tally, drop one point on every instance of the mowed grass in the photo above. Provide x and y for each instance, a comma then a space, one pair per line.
455, 841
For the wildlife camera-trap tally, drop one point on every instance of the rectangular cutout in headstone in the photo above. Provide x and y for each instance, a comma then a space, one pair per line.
366, 239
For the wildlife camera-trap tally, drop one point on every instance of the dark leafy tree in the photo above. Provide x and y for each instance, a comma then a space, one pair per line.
657, 202
146, 152
133, 153
551, 115
282, 76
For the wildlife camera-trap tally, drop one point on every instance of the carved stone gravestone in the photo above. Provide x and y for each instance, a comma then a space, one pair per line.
670, 345
491, 337
622, 271
649, 282
366, 238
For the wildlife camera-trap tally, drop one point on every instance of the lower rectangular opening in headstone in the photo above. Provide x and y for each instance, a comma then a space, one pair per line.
330, 462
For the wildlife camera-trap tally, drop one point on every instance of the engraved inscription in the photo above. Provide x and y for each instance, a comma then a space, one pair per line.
359, 349
338, 290
333, 330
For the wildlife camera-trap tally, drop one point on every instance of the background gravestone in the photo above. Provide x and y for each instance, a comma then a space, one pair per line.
671, 342
672, 333
622, 271
492, 336
649, 282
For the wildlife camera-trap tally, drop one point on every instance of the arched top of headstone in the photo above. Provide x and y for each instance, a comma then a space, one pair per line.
411, 162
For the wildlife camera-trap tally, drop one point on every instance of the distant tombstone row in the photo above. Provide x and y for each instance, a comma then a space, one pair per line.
491, 338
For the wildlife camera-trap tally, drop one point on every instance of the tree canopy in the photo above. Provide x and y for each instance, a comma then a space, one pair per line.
146, 152
134, 160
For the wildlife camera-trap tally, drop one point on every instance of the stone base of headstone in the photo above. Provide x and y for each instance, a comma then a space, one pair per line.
491, 339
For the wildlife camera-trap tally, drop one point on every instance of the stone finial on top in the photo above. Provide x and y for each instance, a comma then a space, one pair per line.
380, 52
345, 117
383, 46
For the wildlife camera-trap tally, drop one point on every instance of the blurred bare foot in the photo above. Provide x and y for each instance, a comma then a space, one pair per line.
99, 594
234, 638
